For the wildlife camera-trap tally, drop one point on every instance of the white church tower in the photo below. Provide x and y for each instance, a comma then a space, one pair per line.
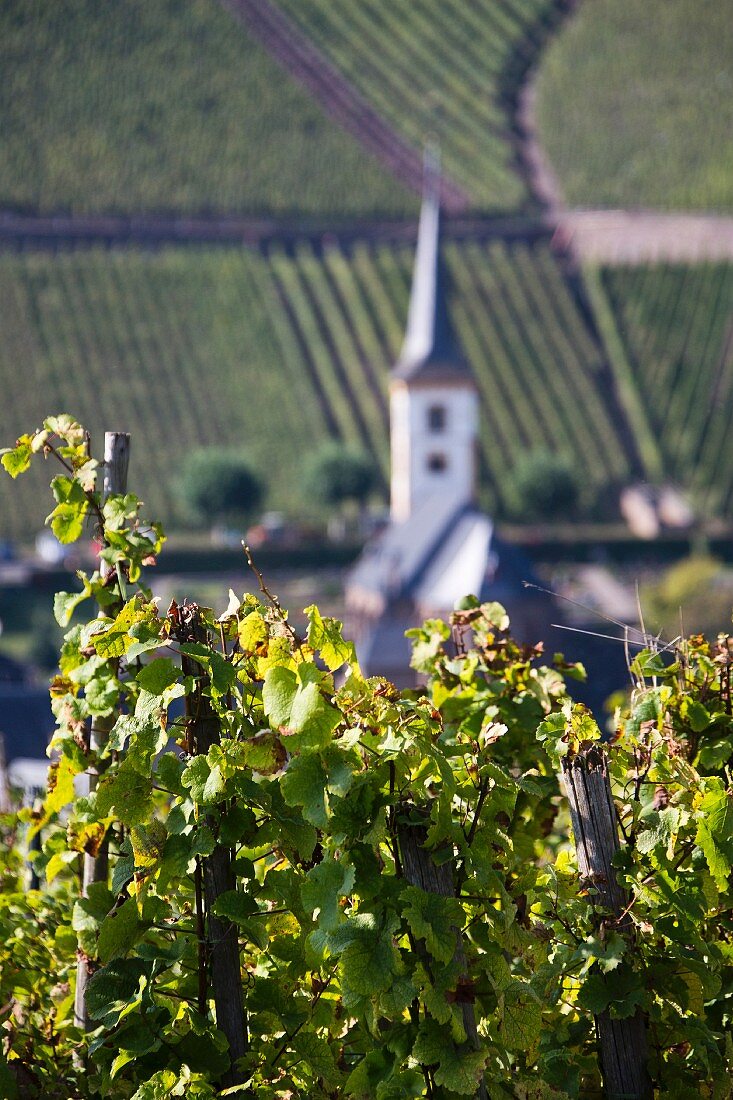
434, 405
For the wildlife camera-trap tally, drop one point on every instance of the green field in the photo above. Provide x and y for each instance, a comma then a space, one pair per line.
677, 326
276, 353
635, 104
442, 67
158, 106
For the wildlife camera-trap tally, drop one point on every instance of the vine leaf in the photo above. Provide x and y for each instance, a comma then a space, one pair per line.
239, 907
160, 674
459, 1070
325, 884
66, 603
119, 931
126, 795
715, 834
16, 460
520, 1016
297, 709
325, 636
434, 919
304, 784
113, 987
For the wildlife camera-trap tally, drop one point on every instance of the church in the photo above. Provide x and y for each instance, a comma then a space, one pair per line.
438, 546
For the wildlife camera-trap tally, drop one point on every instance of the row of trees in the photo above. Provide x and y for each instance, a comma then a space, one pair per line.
221, 486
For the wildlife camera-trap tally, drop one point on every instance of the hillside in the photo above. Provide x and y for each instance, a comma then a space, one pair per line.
677, 326
154, 105
442, 67
159, 106
275, 353
635, 104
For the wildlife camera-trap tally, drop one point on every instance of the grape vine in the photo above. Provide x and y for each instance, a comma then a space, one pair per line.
390, 872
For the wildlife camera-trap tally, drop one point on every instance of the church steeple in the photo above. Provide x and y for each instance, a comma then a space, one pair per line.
433, 397
430, 348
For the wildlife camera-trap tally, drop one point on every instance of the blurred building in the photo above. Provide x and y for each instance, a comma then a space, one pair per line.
438, 546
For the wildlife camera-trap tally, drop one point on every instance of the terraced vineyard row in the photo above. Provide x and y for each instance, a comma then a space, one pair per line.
182, 341
275, 353
677, 322
443, 67
157, 106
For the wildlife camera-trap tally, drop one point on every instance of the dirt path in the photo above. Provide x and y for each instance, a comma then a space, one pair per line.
614, 236
52, 232
300, 58
642, 237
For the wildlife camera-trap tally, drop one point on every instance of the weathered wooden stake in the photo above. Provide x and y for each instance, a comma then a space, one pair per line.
622, 1043
420, 870
95, 868
218, 875
6, 802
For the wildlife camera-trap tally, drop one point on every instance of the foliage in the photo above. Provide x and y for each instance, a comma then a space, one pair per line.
336, 474
545, 486
220, 486
354, 981
620, 128
211, 331
670, 766
697, 589
37, 963
151, 107
360, 976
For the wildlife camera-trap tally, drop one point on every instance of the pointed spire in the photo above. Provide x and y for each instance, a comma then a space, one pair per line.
430, 348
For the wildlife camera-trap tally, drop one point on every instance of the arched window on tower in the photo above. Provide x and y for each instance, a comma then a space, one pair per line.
437, 418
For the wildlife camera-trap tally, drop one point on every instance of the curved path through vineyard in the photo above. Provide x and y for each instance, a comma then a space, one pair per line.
337, 96
614, 236
596, 236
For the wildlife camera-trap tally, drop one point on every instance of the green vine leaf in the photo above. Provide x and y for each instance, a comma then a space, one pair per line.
296, 708
119, 931
434, 919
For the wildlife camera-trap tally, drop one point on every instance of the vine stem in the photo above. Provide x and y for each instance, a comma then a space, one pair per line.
272, 598
95, 868
483, 791
201, 933
314, 1002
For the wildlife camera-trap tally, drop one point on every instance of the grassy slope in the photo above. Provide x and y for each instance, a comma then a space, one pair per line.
194, 347
155, 105
441, 67
677, 324
635, 104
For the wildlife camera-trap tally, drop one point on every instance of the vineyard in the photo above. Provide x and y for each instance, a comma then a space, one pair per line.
306, 337
157, 106
310, 884
621, 125
149, 108
450, 69
678, 329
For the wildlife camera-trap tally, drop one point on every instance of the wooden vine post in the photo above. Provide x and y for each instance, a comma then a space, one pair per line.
221, 946
95, 868
419, 870
622, 1043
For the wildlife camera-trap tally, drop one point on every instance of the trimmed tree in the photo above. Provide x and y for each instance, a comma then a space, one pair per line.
336, 474
220, 486
545, 487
